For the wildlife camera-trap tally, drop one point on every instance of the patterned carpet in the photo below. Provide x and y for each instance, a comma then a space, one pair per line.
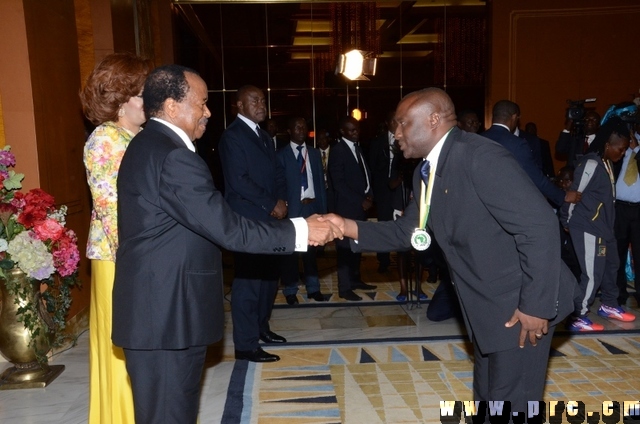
385, 293
404, 382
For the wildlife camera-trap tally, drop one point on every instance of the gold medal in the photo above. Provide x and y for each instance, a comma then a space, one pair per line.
420, 239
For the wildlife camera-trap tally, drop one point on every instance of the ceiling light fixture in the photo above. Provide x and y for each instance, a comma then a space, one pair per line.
356, 64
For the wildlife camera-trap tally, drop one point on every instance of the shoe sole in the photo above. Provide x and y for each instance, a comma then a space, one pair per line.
605, 315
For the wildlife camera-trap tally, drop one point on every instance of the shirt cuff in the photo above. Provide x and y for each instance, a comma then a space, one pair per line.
302, 234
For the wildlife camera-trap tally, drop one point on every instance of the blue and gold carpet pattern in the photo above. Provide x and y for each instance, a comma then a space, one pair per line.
404, 382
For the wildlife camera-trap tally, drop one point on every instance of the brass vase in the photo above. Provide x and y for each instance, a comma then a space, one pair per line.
15, 346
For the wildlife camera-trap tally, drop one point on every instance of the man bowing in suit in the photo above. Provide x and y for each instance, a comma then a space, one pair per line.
306, 196
167, 296
499, 236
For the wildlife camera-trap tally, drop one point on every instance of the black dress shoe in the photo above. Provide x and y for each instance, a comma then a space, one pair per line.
350, 295
271, 337
317, 296
292, 299
257, 355
362, 286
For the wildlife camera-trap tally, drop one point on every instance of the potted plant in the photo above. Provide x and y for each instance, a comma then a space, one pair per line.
38, 266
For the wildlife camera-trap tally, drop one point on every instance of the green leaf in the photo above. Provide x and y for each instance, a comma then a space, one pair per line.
7, 264
14, 181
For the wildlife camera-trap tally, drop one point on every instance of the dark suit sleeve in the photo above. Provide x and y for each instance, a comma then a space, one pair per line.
281, 181
548, 189
188, 195
233, 158
387, 236
564, 143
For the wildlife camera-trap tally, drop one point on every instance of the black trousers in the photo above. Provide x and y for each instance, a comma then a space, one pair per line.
348, 267
166, 384
627, 230
253, 292
516, 375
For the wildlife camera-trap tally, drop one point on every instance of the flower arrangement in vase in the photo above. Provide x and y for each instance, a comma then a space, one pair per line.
34, 241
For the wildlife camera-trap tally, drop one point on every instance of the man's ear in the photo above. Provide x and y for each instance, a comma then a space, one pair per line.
170, 108
434, 120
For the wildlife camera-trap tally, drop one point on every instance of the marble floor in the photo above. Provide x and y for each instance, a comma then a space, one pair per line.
66, 399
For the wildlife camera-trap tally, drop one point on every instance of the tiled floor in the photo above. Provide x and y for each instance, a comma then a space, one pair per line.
385, 385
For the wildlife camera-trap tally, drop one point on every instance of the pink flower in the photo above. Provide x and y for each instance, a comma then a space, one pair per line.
65, 254
18, 200
7, 158
49, 229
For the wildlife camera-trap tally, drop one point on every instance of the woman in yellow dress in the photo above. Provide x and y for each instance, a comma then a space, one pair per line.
112, 100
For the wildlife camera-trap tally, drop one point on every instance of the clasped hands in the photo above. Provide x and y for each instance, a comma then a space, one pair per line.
324, 228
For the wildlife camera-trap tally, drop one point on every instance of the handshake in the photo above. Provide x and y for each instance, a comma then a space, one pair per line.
324, 228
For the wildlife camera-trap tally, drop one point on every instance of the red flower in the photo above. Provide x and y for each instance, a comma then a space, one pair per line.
40, 198
37, 203
49, 229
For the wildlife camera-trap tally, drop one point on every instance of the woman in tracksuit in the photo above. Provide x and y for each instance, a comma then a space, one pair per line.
591, 226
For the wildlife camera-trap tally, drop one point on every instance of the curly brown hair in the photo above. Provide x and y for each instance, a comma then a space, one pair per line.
116, 79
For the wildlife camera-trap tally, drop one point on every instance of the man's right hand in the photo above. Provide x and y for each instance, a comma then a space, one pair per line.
568, 123
322, 231
572, 196
279, 210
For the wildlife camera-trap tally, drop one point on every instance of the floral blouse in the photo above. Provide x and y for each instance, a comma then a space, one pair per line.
103, 153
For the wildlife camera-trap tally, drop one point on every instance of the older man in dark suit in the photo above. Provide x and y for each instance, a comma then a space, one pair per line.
255, 188
499, 236
306, 196
167, 296
350, 185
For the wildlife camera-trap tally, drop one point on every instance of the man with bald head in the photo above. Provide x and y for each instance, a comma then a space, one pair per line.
499, 236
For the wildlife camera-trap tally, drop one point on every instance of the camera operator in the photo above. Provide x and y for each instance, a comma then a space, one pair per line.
577, 135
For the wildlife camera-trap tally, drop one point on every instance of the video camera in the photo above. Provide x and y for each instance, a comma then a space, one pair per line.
575, 111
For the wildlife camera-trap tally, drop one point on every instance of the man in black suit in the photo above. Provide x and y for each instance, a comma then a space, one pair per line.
255, 188
271, 126
530, 134
387, 188
499, 236
350, 185
576, 137
306, 196
506, 115
167, 296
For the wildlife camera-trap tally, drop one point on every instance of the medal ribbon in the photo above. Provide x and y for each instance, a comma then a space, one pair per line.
425, 199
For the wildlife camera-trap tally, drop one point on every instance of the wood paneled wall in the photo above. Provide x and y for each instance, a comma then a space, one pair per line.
59, 127
573, 49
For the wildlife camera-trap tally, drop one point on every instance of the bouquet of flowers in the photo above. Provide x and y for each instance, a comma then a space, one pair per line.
34, 239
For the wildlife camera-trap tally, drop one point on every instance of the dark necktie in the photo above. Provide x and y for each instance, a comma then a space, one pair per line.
303, 169
424, 172
264, 143
360, 163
